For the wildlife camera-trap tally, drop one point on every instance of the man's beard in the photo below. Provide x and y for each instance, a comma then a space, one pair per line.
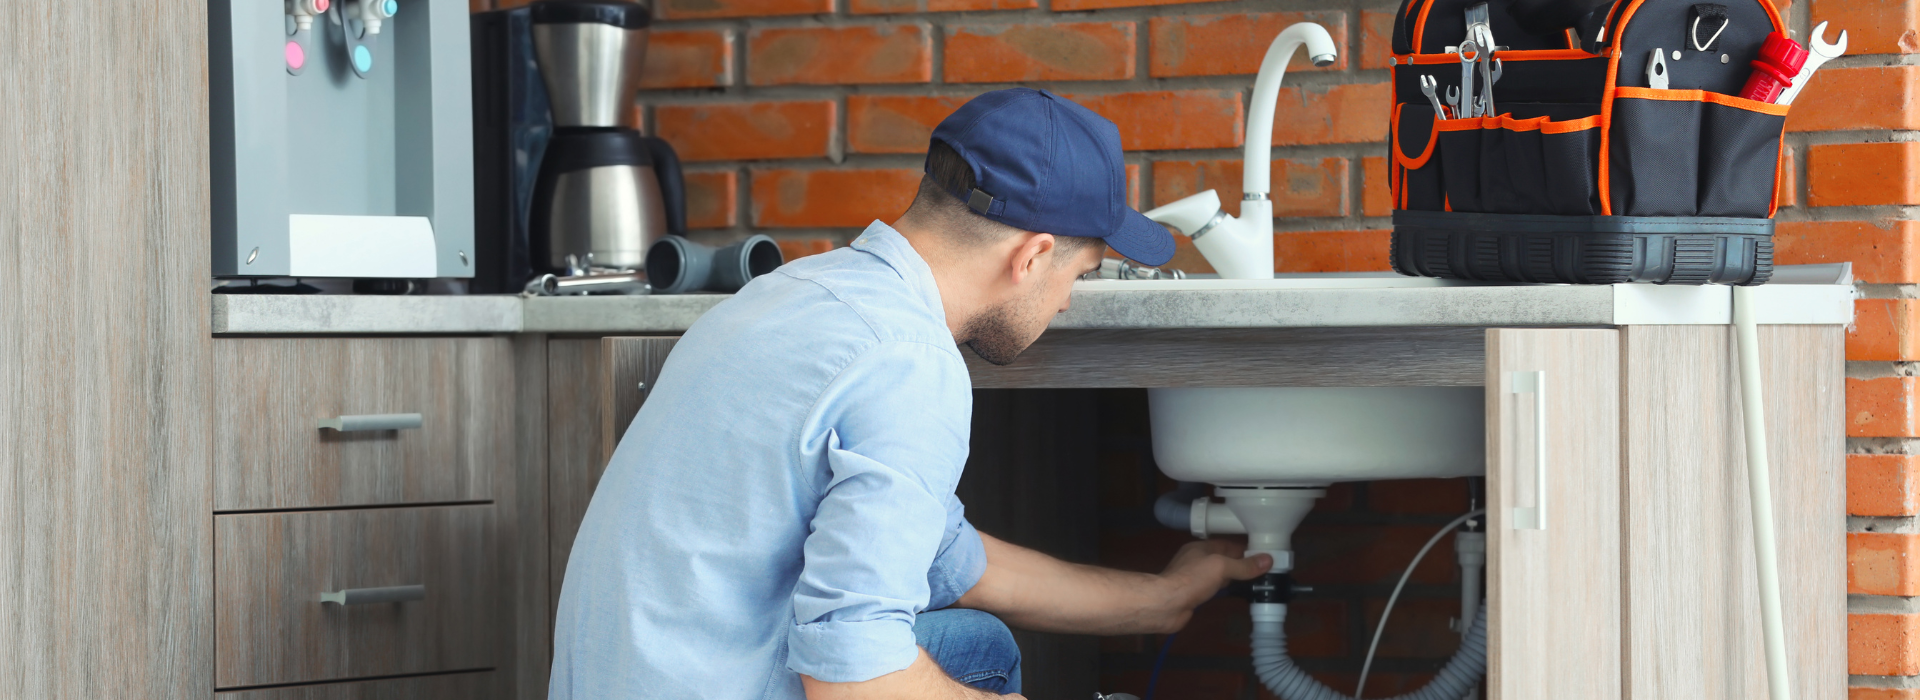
994, 334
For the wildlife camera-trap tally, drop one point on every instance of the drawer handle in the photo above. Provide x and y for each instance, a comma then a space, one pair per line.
378, 421
364, 596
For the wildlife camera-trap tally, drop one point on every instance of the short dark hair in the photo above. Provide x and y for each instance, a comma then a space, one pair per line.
949, 177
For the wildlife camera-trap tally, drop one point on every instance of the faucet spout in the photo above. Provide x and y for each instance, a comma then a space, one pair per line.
1242, 248
1256, 179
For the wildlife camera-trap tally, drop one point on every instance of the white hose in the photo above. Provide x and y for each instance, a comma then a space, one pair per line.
1760, 493
1466, 613
1278, 672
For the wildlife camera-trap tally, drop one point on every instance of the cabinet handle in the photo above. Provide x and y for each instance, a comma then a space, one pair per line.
377, 421
363, 596
1534, 518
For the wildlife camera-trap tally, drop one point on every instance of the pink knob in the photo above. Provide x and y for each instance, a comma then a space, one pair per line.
320, 5
296, 56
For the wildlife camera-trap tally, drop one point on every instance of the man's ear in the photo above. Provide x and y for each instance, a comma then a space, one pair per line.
1033, 254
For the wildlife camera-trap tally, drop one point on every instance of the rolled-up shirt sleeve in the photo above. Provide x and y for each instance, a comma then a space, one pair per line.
961, 561
894, 425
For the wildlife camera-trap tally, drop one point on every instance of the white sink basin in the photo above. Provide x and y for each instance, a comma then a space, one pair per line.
1316, 436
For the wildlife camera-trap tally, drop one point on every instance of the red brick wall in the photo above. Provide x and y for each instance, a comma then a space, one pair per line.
805, 119
1855, 178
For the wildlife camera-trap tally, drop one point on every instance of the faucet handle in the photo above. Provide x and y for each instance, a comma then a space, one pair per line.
1190, 214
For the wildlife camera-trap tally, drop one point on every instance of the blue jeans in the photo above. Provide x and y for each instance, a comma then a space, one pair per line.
973, 647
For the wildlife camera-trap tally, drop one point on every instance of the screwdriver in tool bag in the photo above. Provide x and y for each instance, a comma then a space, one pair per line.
1780, 59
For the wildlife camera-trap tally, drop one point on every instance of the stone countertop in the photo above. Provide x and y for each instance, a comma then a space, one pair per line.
1321, 302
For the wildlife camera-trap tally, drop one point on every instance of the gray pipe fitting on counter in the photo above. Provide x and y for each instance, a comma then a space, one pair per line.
676, 265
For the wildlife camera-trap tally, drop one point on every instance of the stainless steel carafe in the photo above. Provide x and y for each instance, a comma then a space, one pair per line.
605, 192
590, 55
608, 193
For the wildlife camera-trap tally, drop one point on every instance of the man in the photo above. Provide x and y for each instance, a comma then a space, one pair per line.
780, 521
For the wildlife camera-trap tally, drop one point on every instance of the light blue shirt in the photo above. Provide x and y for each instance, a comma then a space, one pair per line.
783, 503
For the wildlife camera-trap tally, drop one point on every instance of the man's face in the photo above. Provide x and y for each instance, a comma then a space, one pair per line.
1001, 333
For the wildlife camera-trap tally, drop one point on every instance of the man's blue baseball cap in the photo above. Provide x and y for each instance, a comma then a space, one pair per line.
1042, 163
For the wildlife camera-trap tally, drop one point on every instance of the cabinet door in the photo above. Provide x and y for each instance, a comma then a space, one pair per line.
595, 386
1553, 591
1693, 623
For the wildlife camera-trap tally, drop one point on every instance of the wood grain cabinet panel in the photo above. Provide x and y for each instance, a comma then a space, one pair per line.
1553, 625
270, 569
1693, 603
452, 686
272, 393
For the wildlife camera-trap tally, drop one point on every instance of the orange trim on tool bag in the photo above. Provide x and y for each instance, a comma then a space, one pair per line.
1413, 162
1571, 125
1420, 26
1518, 55
1779, 167
1606, 104
1413, 41
1400, 177
1543, 125
1640, 93
1779, 25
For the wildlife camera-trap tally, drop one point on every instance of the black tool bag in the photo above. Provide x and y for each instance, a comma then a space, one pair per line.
1584, 174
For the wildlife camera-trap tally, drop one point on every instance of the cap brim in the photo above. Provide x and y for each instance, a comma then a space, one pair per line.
1142, 240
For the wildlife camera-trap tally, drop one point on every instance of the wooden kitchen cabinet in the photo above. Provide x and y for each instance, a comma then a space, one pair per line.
1641, 583
1553, 592
272, 393
300, 510
271, 570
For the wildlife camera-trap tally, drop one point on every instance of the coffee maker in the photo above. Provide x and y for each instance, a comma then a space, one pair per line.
565, 187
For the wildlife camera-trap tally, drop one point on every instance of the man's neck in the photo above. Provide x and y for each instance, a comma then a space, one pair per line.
958, 277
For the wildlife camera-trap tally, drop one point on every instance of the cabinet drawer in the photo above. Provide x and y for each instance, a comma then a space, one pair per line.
270, 570
273, 393
452, 686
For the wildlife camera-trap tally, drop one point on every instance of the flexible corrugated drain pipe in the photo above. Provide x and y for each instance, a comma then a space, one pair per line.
1288, 682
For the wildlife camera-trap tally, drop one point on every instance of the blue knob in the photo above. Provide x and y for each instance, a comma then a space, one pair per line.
392, 7
362, 59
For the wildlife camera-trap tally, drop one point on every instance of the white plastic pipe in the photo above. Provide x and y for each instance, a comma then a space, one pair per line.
1760, 492
1470, 551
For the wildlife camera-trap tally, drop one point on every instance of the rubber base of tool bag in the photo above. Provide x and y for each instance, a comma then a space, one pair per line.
1582, 249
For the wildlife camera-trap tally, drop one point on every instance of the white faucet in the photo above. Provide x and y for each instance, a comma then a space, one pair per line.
1242, 248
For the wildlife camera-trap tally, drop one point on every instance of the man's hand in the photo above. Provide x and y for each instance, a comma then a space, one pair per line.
922, 681
1198, 571
1033, 591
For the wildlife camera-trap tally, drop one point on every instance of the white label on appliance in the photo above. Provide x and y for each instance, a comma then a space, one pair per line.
360, 246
